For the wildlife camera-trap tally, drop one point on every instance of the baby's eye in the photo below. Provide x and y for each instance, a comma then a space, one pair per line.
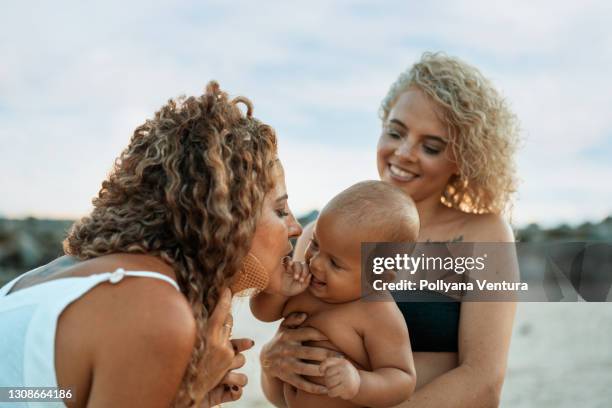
313, 243
333, 263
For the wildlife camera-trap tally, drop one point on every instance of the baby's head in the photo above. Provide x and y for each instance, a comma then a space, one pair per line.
369, 211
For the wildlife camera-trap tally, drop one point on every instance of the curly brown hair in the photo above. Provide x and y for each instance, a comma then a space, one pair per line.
188, 188
484, 132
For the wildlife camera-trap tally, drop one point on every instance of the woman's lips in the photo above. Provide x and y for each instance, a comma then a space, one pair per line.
286, 261
400, 174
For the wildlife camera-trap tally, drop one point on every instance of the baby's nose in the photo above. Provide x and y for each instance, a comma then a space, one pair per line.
315, 263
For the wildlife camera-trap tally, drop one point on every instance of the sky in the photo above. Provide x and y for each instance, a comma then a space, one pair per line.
77, 77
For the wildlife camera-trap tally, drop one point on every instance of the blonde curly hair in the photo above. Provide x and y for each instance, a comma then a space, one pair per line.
188, 188
483, 131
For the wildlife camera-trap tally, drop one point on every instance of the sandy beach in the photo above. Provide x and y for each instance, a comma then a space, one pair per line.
560, 356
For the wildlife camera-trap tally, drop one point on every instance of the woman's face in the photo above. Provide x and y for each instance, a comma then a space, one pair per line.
413, 151
274, 228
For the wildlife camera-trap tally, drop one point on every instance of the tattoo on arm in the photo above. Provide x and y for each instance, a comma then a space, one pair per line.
458, 238
60, 263
40, 273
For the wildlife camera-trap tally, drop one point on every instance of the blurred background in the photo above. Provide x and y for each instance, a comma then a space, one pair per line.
76, 78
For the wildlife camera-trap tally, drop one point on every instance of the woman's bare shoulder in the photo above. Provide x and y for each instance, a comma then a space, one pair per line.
128, 262
487, 228
136, 297
152, 302
143, 343
137, 308
137, 328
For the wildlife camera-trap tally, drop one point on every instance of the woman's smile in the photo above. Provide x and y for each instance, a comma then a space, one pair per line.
401, 174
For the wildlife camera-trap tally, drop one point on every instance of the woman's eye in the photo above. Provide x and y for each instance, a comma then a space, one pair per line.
282, 213
431, 150
393, 134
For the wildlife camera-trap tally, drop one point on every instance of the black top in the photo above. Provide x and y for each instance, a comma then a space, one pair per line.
432, 320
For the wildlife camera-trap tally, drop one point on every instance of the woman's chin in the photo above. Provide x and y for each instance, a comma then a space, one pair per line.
274, 280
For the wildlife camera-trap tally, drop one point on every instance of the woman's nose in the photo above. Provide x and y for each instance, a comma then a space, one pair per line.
406, 150
294, 227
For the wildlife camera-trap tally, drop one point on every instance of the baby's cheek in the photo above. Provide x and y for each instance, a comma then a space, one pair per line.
355, 286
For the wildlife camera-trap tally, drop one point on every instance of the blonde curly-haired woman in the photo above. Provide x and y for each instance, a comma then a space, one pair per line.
448, 140
137, 312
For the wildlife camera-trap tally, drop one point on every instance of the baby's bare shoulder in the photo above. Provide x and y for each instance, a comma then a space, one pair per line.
363, 316
381, 315
307, 303
380, 306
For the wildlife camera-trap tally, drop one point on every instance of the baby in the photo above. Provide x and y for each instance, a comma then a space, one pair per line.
378, 370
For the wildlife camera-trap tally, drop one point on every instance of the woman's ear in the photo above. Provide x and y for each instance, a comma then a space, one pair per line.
456, 169
454, 178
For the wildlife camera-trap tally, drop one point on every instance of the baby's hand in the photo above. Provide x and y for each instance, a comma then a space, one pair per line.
341, 378
296, 278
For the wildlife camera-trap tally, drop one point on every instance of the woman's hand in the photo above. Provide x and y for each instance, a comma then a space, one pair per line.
219, 354
230, 387
282, 356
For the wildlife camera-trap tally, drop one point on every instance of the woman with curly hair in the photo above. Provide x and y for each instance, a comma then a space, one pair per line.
198, 189
448, 141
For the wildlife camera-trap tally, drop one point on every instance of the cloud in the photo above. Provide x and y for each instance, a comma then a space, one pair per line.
315, 173
76, 79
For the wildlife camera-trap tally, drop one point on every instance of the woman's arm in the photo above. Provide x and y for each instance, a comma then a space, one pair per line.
267, 307
143, 347
145, 338
485, 329
484, 338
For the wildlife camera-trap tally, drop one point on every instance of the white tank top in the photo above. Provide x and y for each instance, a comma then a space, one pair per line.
28, 321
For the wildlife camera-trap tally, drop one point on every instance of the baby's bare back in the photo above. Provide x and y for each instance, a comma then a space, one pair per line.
343, 325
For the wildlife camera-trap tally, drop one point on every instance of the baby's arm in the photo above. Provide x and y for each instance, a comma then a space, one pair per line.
392, 379
268, 307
